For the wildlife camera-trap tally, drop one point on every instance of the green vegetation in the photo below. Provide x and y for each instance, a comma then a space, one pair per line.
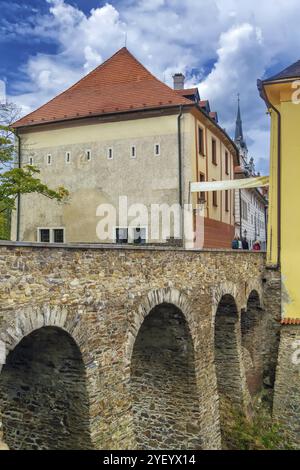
14, 180
258, 432
5, 218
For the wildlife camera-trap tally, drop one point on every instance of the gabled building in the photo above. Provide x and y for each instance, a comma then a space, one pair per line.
250, 204
120, 131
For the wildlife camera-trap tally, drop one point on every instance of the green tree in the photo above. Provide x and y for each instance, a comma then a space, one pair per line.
15, 180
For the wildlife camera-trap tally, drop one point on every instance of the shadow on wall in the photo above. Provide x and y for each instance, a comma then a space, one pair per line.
43, 396
163, 383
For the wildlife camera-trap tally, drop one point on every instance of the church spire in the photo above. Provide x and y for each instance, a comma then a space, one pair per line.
239, 137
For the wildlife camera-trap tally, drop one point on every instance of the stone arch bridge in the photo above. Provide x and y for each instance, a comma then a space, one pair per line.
108, 347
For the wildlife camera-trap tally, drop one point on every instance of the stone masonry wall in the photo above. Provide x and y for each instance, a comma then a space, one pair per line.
163, 383
287, 386
43, 395
101, 296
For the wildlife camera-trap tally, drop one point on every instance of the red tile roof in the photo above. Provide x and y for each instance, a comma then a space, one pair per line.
290, 321
120, 84
187, 91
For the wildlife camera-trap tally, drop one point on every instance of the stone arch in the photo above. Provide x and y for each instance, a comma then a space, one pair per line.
166, 389
150, 301
218, 292
252, 332
43, 394
254, 285
231, 382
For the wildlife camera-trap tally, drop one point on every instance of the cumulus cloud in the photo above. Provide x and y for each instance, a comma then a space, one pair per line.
227, 44
241, 60
2, 91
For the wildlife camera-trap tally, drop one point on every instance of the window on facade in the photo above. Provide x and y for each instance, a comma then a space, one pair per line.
133, 151
201, 195
58, 235
88, 154
215, 198
139, 235
226, 163
214, 151
244, 210
51, 235
121, 235
30, 161
49, 159
200, 141
68, 157
110, 153
227, 201
157, 150
44, 235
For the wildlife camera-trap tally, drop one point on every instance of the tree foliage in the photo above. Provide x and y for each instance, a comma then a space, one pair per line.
15, 180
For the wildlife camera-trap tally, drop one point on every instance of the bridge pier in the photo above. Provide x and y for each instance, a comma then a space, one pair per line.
286, 409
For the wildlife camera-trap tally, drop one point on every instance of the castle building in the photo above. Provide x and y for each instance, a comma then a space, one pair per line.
120, 131
250, 204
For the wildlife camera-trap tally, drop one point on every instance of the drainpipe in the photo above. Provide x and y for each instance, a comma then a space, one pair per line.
240, 201
264, 96
19, 195
180, 169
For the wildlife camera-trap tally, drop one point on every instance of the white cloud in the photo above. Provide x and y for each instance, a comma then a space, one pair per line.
2, 91
241, 39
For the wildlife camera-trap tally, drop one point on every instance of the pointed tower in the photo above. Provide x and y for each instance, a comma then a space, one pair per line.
239, 137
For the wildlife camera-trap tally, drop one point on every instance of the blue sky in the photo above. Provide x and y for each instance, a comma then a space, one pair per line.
222, 46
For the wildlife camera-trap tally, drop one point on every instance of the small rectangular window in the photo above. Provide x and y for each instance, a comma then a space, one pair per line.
30, 160
44, 235
110, 154
58, 235
139, 235
214, 151
88, 155
68, 157
133, 152
226, 163
121, 235
157, 150
226, 201
201, 195
215, 198
200, 141
49, 159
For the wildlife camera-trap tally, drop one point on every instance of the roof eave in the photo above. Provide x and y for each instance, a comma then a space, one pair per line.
100, 115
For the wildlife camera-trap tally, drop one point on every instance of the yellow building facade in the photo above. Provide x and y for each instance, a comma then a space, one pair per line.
282, 99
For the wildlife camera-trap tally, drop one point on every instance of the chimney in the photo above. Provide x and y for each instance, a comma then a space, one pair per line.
178, 80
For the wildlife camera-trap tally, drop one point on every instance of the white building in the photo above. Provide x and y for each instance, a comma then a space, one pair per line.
250, 204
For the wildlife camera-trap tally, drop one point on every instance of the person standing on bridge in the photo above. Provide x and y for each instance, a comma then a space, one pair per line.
245, 244
256, 246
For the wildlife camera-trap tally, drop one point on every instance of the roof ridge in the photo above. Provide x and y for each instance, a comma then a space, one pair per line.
74, 84
49, 112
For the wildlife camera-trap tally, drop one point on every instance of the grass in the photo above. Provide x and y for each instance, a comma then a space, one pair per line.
258, 432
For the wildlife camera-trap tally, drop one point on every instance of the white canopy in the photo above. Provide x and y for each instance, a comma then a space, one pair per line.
257, 182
